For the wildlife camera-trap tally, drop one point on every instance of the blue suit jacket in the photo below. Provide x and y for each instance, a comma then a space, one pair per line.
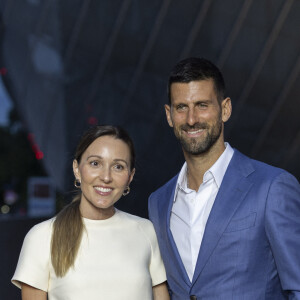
251, 245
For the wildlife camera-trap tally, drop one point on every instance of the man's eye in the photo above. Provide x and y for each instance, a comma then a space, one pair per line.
180, 107
202, 104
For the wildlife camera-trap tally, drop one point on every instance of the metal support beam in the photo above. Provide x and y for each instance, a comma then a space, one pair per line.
75, 32
107, 51
147, 50
195, 29
234, 33
260, 62
37, 32
276, 108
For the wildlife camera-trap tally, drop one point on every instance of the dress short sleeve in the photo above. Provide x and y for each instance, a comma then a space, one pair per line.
157, 268
34, 259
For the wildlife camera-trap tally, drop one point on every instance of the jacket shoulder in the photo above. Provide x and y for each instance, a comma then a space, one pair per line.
259, 169
170, 185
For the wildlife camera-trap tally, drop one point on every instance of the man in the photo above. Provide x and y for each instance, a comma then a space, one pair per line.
228, 226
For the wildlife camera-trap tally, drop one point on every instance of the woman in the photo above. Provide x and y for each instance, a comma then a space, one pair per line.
91, 250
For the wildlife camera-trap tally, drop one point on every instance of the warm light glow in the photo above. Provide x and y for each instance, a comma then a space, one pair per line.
5, 209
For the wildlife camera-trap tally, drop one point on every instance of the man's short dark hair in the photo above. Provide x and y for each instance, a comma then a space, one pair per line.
195, 69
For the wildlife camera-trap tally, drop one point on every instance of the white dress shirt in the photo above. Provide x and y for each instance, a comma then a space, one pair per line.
191, 209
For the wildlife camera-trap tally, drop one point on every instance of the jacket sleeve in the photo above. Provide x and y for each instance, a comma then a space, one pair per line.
283, 230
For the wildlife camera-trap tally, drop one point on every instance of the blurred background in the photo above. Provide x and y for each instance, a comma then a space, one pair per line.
67, 65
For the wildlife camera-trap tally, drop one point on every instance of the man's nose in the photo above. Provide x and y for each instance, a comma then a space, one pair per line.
191, 117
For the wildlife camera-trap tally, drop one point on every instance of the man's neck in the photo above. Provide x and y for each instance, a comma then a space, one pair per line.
197, 165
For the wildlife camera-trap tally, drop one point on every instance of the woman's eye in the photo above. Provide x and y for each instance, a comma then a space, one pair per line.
119, 167
94, 163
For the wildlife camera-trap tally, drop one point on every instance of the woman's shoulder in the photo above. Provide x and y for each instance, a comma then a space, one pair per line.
144, 224
134, 218
43, 229
44, 225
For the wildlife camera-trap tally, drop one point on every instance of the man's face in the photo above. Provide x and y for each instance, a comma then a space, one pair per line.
196, 115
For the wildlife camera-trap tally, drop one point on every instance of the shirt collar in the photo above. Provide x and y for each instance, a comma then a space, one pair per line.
182, 178
217, 170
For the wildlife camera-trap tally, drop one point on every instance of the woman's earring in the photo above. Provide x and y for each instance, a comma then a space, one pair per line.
77, 183
126, 191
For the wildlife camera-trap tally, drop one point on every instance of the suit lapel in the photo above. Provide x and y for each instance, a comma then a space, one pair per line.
233, 190
166, 206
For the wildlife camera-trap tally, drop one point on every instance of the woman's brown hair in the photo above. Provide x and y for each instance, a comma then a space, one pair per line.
68, 226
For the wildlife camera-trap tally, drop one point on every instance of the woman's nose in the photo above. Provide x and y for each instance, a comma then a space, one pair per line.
106, 175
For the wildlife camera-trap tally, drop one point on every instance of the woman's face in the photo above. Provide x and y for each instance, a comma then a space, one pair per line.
104, 173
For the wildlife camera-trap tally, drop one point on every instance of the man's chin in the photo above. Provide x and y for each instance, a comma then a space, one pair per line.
197, 151
194, 149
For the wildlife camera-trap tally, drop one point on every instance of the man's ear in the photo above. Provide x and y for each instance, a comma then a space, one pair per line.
226, 109
168, 114
76, 170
